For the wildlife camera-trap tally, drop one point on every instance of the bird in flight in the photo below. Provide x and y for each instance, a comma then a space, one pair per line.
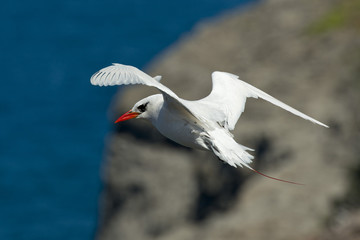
203, 124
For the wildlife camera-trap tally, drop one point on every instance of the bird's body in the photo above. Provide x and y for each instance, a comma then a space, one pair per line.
203, 124
181, 129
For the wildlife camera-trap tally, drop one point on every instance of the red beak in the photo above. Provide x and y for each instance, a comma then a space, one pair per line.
128, 115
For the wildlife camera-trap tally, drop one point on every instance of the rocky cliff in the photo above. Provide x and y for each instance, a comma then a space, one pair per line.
305, 53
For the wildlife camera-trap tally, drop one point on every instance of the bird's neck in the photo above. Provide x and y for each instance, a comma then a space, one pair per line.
155, 111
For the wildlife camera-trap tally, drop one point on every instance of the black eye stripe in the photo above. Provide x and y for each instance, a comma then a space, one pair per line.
142, 107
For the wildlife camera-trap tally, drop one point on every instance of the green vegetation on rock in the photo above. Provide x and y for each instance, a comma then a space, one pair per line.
345, 14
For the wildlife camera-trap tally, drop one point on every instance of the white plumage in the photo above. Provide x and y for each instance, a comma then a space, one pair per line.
203, 124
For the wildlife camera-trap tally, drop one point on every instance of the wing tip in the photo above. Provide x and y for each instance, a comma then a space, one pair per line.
319, 123
93, 79
96, 78
324, 125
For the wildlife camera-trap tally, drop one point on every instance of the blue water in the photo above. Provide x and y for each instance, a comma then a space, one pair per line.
53, 122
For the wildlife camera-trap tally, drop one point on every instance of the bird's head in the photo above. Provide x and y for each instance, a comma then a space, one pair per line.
147, 108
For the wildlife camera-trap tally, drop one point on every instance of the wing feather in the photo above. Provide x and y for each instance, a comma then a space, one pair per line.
119, 74
231, 93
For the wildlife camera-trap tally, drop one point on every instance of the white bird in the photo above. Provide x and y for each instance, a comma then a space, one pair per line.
202, 124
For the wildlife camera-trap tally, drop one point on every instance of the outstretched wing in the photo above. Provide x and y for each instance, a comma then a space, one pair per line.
230, 93
119, 74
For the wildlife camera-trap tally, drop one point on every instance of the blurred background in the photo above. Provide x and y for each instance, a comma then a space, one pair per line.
67, 172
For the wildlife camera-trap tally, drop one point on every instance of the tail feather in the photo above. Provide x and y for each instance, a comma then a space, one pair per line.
277, 179
225, 148
228, 150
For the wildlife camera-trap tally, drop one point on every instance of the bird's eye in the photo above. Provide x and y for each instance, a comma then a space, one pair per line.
142, 107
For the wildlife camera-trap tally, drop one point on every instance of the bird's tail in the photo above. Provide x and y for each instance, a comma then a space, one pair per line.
227, 149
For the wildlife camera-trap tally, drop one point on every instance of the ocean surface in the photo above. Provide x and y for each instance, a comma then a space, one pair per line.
53, 123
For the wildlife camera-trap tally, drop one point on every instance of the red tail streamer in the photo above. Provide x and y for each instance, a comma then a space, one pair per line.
277, 179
